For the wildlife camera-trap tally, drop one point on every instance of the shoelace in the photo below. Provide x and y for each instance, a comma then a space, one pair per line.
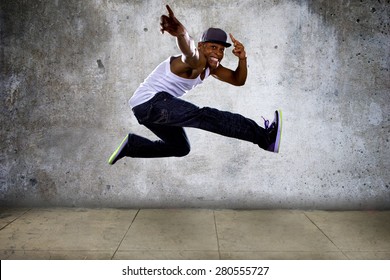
266, 123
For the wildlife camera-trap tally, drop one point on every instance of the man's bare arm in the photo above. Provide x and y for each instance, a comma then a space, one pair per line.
237, 77
184, 41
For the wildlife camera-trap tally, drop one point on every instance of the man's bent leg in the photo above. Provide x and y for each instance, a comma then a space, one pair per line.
173, 143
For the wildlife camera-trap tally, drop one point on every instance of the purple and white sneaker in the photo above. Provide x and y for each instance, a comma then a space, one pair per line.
274, 131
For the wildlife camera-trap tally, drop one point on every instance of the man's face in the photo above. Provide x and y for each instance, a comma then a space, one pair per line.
213, 52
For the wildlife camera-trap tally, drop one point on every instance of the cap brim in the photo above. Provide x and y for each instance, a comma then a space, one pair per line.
225, 44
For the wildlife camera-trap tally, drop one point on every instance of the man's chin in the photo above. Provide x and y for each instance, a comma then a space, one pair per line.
213, 65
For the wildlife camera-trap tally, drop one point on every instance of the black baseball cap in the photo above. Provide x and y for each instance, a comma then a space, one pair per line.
215, 35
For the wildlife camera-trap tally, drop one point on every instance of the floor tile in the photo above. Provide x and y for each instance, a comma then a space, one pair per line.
192, 234
55, 255
272, 231
166, 255
355, 231
368, 255
172, 230
67, 229
8, 215
282, 256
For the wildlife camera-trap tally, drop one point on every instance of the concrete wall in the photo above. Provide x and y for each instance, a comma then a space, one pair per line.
68, 69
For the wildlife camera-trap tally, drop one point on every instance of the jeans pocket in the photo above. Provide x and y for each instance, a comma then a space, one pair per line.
141, 112
153, 111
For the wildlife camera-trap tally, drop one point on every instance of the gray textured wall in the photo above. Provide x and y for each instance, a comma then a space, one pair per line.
68, 69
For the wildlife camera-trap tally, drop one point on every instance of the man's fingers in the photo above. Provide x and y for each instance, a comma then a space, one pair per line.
170, 12
237, 44
232, 38
163, 23
163, 18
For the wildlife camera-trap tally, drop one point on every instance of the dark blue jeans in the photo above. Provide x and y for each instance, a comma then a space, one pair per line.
166, 115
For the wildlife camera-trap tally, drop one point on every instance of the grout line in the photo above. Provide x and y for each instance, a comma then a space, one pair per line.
28, 210
123, 238
216, 232
325, 235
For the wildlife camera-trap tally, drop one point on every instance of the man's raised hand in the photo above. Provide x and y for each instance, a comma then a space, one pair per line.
239, 49
170, 24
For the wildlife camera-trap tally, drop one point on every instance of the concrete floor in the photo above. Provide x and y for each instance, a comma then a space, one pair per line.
73, 233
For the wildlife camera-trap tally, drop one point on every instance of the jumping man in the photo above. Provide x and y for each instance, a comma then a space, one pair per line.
157, 105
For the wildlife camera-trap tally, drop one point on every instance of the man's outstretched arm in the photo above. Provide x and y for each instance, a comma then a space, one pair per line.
184, 41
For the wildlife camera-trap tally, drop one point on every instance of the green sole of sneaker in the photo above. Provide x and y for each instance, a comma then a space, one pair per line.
115, 154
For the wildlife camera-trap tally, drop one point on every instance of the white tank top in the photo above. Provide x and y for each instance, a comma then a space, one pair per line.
162, 79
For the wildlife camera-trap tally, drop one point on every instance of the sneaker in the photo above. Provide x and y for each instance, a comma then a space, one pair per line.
120, 152
274, 131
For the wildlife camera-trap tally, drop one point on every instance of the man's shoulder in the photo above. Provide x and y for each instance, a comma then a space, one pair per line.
185, 70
